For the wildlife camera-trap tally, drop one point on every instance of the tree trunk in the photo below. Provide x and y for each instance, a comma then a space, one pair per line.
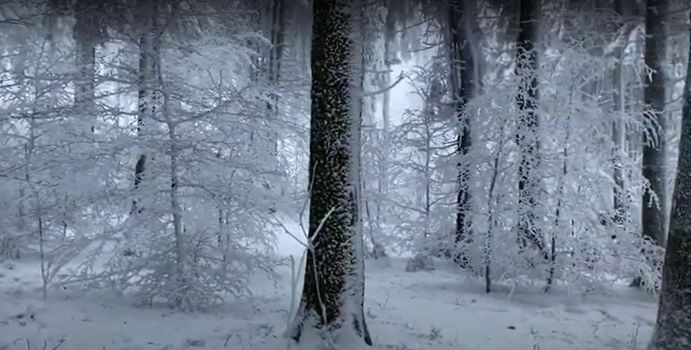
176, 210
560, 198
653, 215
618, 126
673, 328
86, 29
277, 43
461, 67
427, 169
277, 30
527, 137
491, 223
19, 65
384, 144
333, 292
149, 96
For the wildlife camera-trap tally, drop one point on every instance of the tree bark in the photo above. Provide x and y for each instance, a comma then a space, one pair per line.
149, 94
86, 35
653, 215
176, 210
527, 137
461, 79
618, 126
333, 291
278, 24
277, 30
673, 327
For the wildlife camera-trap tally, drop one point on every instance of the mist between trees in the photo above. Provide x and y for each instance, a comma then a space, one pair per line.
157, 149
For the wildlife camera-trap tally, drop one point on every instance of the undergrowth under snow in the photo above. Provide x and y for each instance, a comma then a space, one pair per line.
437, 310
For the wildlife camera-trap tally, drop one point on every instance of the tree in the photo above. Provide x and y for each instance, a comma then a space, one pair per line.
618, 126
527, 138
194, 128
333, 291
423, 164
462, 85
87, 33
653, 215
149, 90
673, 327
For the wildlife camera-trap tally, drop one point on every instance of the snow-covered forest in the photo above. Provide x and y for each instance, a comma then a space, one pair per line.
345, 174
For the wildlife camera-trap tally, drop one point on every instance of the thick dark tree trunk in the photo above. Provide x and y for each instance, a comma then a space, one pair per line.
461, 79
527, 97
149, 95
653, 215
333, 292
673, 328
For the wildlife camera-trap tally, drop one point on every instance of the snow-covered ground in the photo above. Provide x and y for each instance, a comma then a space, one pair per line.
441, 309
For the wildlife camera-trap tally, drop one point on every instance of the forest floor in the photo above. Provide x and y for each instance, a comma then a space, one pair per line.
440, 309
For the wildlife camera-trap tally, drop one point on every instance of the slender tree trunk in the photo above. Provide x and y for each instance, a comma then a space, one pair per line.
19, 66
491, 203
176, 209
149, 96
673, 327
461, 63
384, 83
653, 215
560, 198
333, 292
278, 28
527, 138
428, 115
42, 248
277, 31
86, 29
619, 128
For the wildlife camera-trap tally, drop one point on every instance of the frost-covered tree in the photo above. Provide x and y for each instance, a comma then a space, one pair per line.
208, 212
40, 145
618, 126
529, 230
333, 292
207, 205
87, 32
149, 83
463, 81
425, 183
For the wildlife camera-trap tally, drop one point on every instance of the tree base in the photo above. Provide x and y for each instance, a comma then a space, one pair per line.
309, 331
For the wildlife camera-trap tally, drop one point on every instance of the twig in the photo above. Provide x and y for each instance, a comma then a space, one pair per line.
304, 204
634, 337
60, 342
290, 233
319, 228
385, 89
